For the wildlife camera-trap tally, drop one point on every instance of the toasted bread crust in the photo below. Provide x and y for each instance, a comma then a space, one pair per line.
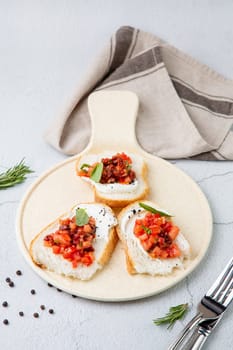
129, 264
128, 260
120, 203
113, 239
106, 255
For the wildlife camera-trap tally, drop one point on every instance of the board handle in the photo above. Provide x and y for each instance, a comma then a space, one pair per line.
113, 115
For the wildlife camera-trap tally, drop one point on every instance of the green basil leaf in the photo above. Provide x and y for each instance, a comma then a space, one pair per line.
153, 210
85, 166
97, 172
81, 217
146, 229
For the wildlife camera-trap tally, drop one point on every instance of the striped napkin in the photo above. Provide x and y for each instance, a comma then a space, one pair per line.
186, 109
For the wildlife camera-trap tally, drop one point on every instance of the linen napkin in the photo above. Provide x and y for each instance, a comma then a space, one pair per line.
186, 109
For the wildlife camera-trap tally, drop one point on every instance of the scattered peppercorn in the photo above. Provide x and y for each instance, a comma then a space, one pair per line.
50, 285
8, 280
21, 313
42, 307
6, 321
36, 315
11, 284
33, 291
18, 272
51, 311
5, 304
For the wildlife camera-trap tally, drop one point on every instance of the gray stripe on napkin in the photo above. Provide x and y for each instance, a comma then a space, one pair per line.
218, 115
129, 78
123, 38
138, 64
214, 105
134, 42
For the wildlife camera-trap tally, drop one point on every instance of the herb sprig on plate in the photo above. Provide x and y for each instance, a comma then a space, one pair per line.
153, 210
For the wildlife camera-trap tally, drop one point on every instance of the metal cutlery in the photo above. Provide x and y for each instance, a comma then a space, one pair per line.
210, 312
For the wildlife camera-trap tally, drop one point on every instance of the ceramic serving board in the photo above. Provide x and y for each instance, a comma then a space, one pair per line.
113, 115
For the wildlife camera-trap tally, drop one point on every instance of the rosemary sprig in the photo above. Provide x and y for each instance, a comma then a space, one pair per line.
14, 175
153, 210
175, 313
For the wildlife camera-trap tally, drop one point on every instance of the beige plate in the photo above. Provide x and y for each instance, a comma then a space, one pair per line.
113, 115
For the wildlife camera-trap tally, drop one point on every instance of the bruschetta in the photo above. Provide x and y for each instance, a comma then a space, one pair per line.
153, 244
117, 178
78, 243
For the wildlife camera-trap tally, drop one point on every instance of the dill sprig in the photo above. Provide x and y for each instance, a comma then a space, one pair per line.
14, 175
175, 313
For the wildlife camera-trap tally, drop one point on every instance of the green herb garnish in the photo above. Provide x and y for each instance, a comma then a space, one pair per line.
175, 313
153, 210
81, 217
146, 229
84, 166
97, 172
14, 175
128, 166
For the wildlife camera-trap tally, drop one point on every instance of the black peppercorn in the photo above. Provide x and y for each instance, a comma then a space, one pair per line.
50, 285
8, 280
42, 307
5, 304
11, 284
5, 321
51, 311
33, 291
36, 315
18, 272
21, 313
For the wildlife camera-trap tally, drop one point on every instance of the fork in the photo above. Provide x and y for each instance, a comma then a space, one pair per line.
210, 311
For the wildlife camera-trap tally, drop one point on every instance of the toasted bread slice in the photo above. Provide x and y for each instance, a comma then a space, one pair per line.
104, 244
114, 194
138, 261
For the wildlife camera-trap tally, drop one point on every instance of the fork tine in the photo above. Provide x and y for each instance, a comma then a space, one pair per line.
224, 286
226, 296
219, 286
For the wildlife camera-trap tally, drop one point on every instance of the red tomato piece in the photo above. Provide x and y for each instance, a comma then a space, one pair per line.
156, 234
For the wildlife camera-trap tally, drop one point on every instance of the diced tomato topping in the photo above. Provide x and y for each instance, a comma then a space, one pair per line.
56, 249
74, 243
156, 234
173, 232
62, 238
117, 169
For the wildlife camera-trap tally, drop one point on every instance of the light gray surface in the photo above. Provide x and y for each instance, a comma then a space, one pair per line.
44, 49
